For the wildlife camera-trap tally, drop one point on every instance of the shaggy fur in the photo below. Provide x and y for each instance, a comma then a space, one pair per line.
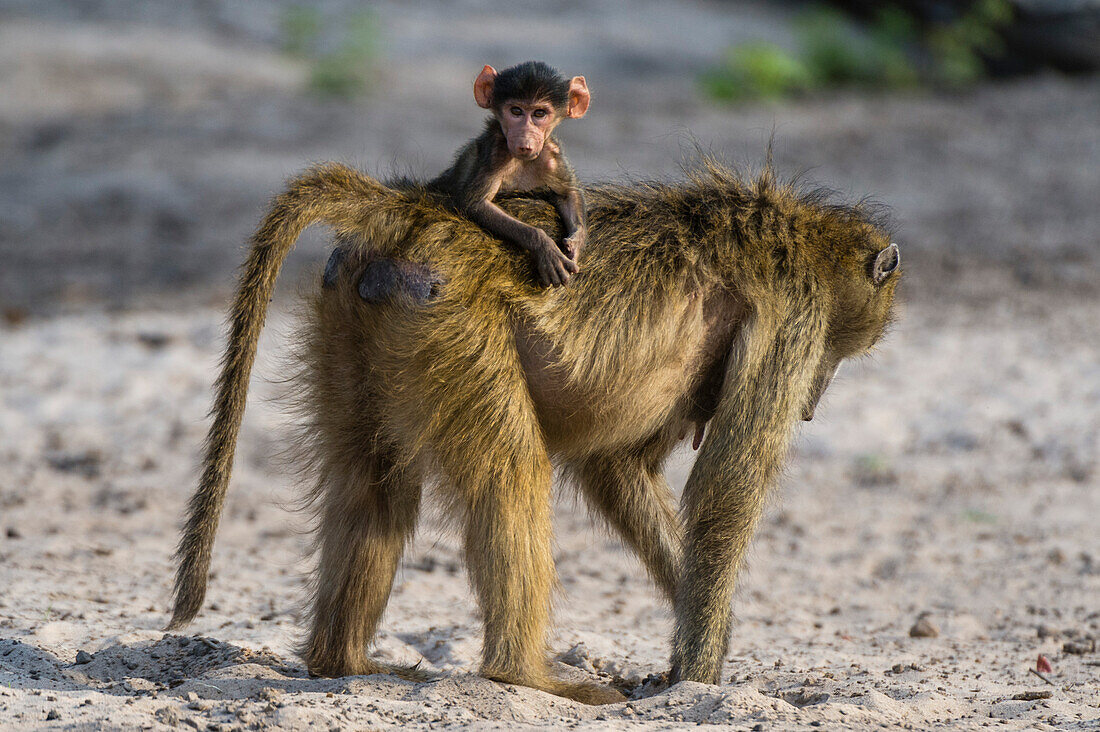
713, 301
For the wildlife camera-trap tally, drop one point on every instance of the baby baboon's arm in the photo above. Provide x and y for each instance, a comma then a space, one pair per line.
571, 208
552, 265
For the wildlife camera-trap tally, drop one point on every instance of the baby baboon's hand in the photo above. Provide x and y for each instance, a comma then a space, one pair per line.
575, 243
553, 266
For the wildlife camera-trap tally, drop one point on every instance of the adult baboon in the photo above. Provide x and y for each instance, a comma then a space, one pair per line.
714, 302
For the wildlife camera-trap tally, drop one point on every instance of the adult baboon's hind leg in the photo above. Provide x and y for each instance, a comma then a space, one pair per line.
629, 491
511, 564
489, 447
367, 515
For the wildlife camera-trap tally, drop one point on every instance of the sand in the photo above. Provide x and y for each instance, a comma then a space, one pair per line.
950, 478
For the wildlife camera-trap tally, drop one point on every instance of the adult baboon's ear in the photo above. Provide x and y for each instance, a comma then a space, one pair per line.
578, 98
886, 262
483, 87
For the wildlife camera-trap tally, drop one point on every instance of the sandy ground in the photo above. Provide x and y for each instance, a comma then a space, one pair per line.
952, 477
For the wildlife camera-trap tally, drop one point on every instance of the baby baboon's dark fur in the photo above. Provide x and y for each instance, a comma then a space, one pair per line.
714, 299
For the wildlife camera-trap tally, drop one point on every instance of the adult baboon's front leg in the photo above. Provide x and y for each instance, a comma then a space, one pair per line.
630, 492
766, 386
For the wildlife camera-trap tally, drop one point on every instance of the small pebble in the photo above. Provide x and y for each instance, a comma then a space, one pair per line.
578, 657
54, 714
924, 628
1032, 695
167, 715
1080, 647
83, 657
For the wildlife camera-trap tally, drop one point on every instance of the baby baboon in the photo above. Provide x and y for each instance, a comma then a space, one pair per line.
517, 152
715, 301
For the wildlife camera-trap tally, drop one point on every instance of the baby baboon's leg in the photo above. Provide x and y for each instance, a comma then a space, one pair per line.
630, 492
368, 513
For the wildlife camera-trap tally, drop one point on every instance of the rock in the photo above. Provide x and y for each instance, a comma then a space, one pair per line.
154, 341
1032, 695
578, 657
54, 714
629, 675
1079, 647
270, 694
83, 657
653, 684
804, 697
87, 463
924, 628
167, 715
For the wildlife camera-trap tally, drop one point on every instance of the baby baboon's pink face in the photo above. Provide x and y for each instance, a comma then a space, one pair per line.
527, 125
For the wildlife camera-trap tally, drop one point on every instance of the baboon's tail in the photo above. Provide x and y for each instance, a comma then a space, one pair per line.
333, 194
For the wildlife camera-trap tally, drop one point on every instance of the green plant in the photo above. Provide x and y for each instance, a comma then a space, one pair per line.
757, 70
301, 27
834, 52
837, 53
958, 48
343, 72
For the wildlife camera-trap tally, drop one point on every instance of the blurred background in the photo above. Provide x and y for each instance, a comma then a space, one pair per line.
952, 479
140, 140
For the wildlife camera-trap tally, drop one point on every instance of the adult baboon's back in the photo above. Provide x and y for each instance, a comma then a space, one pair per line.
713, 301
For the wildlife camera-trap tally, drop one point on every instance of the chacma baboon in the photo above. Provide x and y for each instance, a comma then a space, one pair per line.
517, 152
716, 300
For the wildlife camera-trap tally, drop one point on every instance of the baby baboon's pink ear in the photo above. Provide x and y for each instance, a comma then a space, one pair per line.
578, 98
483, 87
886, 262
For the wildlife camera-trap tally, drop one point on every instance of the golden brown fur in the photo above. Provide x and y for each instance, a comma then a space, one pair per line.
713, 299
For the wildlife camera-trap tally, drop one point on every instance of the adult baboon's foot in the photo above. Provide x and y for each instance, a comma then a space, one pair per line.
331, 668
366, 667
583, 692
589, 693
